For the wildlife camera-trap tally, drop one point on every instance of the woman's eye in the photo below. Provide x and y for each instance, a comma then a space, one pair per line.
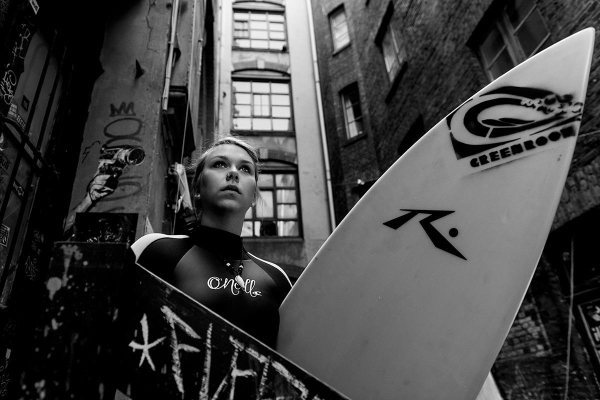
246, 169
219, 164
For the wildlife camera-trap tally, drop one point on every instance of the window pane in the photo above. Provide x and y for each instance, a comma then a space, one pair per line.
240, 16
279, 88
503, 64
394, 69
260, 87
339, 29
390, 53
257, 229
286, 196
258, 25
260, 44
276, 17
492, 45
287, 228
242, 42
285, 180
281, 112
517, 10
261, 124
352, 131
280, 100
265, 180
242, 98
258, 16
242, 123
276, 27
267, 228
241, 111
247, 229
287, 211
277, 35
276, 45
281, 125
532, 33
248, 214
264, 208
241, 29
241, 86
353, 113
259, 34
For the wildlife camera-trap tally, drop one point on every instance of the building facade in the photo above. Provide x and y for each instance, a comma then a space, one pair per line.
95, 114
391, 70
267, 94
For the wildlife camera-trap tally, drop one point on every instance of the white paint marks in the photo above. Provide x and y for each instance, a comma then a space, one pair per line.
173, 319
53, 285
146, 346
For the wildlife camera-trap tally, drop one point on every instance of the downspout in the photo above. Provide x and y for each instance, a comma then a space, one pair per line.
313, 47
169, 71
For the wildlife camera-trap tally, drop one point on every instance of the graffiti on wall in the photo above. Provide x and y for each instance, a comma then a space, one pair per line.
119, 151
12, 70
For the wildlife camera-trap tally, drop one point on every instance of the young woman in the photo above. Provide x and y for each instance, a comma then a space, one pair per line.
211, 264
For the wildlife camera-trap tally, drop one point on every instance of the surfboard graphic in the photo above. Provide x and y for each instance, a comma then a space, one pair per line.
413, 294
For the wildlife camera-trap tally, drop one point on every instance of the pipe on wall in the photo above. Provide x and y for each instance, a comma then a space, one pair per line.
313, 47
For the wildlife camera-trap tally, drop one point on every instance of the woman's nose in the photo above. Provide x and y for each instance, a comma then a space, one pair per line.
232, 176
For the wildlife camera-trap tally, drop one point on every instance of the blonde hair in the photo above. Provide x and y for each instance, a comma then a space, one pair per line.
199, 164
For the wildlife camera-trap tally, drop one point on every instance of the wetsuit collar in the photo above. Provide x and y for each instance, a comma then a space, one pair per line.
227, 245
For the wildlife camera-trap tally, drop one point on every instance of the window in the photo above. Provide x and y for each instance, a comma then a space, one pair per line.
276, 214
339, 29
352, 113
518, 33
261, 106
259, 30
392, 56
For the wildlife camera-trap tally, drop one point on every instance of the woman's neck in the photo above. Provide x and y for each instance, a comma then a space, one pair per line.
227, 223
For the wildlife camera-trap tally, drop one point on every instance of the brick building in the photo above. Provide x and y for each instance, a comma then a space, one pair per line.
391, 70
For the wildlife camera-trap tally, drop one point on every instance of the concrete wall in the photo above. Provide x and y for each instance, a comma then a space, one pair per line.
293, 254
313, 190
125, 111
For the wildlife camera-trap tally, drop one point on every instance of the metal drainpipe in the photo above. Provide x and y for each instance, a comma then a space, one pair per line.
174, 16
321, 117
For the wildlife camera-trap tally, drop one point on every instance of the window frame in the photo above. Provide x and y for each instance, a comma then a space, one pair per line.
510, 40
398, 56
269, 40
254, 218
337, 45
344, 94
271, 117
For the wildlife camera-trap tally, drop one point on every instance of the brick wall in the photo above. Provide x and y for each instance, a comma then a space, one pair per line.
533, 361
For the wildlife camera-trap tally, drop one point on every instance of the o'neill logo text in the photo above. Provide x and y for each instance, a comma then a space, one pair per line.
434, 235
510, 122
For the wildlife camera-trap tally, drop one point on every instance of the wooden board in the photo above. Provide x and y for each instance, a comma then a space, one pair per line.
413, 294
111, 326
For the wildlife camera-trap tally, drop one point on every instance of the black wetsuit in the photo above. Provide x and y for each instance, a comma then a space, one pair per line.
202, 273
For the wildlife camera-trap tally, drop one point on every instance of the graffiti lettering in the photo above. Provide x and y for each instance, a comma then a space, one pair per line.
4, 377
116, 155
146, 346
247, 366
20, 48
127, 109
7, 85
31, 268
123, 129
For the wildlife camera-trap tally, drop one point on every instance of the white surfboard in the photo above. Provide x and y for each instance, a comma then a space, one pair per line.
414, 293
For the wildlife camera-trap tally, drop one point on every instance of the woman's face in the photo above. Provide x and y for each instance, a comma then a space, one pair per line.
228, 180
